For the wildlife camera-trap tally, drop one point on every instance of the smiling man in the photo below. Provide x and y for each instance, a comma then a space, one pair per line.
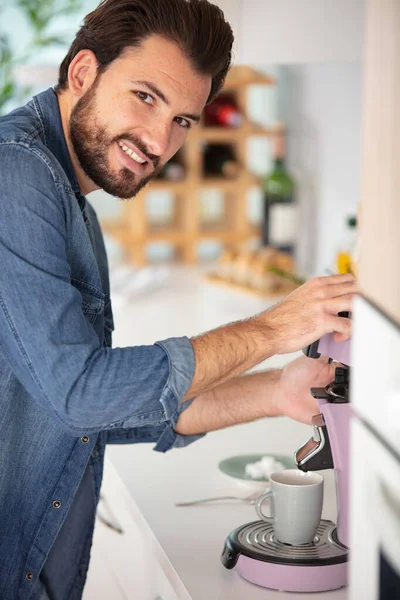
156, 97
133, 83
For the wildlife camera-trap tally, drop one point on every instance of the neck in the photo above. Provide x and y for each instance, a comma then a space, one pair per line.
65, 106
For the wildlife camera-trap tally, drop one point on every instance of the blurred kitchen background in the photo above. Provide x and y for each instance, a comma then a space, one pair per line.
224, 197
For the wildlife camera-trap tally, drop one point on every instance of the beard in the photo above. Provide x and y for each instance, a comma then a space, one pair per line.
91, 143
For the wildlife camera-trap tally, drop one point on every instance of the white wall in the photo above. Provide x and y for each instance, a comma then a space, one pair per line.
322, 105
293, 31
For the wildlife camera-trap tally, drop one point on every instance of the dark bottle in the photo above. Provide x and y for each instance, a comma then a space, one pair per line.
174, 169
279, 228
219, 160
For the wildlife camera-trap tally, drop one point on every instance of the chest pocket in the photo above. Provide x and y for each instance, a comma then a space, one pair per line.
92, 300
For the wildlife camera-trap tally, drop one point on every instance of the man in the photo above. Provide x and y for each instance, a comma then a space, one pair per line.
134, 81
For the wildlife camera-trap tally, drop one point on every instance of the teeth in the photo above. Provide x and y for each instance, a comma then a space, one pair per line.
131, 153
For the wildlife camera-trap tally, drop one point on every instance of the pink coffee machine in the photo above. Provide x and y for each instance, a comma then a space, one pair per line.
252, 549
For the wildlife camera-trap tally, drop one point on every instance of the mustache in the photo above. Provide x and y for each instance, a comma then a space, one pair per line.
153, 158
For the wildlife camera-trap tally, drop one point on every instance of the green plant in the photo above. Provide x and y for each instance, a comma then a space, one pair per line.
40, 15
7, 84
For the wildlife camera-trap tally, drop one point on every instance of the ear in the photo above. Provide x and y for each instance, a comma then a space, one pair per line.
82, 72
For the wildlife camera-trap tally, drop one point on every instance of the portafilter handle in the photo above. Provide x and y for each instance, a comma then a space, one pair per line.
316, 454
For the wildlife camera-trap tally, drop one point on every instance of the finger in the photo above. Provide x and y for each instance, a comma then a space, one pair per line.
323, 360
341, 325
339, 337
341, 304
340, 289
335, 279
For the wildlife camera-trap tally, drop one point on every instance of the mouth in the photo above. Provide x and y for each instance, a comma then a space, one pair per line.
133, 159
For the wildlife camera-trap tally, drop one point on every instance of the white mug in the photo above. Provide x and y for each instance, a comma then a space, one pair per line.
296, 505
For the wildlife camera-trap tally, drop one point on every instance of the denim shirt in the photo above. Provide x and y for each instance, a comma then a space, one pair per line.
64, 392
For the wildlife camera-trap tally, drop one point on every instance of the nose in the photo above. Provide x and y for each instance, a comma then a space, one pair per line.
157, 138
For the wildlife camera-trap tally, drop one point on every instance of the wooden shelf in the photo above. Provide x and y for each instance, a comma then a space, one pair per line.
156, 234
282, 291
176, 187
181, 187
244, 76
135, 232
229, 134
224, 183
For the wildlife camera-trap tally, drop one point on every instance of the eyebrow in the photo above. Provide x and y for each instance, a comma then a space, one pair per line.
153, 88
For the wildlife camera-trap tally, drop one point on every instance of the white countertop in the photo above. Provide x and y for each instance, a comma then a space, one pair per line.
193, 537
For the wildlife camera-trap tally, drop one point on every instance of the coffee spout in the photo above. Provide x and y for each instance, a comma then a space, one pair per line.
316, 455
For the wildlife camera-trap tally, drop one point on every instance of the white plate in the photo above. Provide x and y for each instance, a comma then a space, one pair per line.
234, 468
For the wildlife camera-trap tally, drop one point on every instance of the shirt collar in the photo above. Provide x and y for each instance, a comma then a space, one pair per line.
46, 104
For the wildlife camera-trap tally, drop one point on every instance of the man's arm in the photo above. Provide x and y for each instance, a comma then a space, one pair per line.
302, 317
239, 400
265, 394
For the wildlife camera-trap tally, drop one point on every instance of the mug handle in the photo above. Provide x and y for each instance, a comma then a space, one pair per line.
258, 505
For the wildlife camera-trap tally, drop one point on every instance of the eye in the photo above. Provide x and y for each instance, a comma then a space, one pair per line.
145, 97
183, 122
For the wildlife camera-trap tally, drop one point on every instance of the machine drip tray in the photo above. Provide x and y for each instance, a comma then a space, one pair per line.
258, 557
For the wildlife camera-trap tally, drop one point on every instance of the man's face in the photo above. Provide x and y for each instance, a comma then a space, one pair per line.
136, 115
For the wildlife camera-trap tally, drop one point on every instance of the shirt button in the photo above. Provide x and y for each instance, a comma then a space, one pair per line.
84, 439
56, 504
95, 453
29, 576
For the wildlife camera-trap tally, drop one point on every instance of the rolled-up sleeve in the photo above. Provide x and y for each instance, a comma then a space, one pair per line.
181, 362
181, 370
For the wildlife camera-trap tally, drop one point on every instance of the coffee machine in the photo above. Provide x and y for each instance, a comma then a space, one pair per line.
252, 549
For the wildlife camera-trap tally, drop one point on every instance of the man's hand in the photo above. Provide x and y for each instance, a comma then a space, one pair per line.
292, 397
310, 312
297, 321
262, 394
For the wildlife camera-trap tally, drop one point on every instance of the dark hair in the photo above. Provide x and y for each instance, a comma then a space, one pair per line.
196, 26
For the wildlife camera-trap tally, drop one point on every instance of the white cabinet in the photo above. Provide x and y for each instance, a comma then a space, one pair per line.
101, 584
375, 486
130, 565
379, 274
375, 514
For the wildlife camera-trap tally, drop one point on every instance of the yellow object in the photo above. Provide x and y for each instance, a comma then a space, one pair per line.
344, 263
346, 257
